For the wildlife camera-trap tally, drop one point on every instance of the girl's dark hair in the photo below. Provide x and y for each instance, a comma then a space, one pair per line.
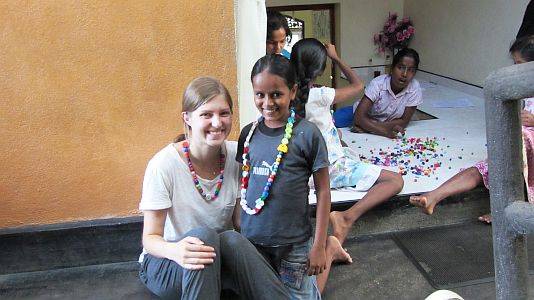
277, 65
275, 21
525, 47
308, 57
405, 52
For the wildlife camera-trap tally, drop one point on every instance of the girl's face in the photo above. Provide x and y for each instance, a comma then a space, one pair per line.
272, 98
402, 73
277, 41
518, 59
210, 123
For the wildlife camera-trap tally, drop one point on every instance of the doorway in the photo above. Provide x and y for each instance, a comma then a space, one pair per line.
311, 21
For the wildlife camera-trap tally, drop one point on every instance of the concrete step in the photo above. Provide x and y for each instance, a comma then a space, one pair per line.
104, 281
50, 247
78, 244
98, 259
399, 215
380, 271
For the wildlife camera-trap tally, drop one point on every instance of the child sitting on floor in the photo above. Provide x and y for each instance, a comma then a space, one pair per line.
390, 100
345, 169
522, 50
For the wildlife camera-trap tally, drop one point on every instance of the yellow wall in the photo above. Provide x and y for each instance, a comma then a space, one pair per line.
90, 91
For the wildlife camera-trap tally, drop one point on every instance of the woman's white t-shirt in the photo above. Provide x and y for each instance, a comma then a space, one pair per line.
168, 185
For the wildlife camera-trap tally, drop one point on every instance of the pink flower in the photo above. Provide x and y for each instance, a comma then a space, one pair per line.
394, 33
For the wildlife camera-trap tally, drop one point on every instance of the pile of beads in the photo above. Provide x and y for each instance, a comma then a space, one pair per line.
419, 156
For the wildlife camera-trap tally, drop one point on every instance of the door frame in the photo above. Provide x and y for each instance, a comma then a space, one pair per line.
331, 10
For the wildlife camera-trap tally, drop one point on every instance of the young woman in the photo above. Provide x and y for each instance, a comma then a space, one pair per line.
189, 195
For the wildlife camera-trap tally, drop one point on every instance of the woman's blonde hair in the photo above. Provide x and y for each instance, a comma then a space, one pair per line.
200, 91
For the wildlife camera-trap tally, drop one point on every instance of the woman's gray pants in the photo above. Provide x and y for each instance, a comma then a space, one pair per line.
244, 270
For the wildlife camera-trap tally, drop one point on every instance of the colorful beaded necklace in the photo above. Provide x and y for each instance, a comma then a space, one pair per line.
282, 149
206, 196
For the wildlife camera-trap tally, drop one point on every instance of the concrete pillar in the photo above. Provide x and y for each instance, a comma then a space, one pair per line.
502, 89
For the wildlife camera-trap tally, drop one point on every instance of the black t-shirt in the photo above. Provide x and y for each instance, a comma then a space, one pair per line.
285, 217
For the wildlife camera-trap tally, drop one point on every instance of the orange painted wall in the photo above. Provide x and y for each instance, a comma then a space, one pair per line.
89, 91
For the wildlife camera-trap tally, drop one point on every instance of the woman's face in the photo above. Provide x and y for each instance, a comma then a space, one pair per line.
402, 73
277, 41
211, 123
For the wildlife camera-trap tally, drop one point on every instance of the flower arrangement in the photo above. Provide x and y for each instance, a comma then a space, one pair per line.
395, 34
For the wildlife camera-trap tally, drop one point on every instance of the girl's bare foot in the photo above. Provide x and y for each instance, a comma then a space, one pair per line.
339, 255
485, 218
340, 226
425, 201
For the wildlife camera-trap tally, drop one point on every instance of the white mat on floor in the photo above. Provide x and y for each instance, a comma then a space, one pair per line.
461, 128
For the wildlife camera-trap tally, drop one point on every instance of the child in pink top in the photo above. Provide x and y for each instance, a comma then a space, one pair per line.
522, 50
390, 100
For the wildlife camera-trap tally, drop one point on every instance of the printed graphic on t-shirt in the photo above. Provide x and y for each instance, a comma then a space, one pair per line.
265, 170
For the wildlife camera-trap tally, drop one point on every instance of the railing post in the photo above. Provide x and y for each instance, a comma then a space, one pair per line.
502, 89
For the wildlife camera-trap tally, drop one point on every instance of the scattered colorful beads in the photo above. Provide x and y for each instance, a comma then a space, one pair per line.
418, 156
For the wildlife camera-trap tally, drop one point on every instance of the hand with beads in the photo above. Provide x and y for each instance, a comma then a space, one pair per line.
393, 130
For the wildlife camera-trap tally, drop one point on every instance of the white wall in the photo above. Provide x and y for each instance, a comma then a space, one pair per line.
357, 21
464, 39
250, 43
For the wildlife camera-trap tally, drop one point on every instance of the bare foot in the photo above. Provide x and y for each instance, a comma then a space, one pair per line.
339, 255
425, 201
485, 218
340, 226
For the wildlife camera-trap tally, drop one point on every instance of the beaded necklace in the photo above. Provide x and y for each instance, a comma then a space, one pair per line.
206, 196
282, 149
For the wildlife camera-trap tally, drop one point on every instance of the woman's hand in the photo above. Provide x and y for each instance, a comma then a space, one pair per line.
527, 119
191, 253
316, 260
331, 51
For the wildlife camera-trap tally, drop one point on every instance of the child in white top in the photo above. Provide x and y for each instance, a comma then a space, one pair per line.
390, 100
308, 56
